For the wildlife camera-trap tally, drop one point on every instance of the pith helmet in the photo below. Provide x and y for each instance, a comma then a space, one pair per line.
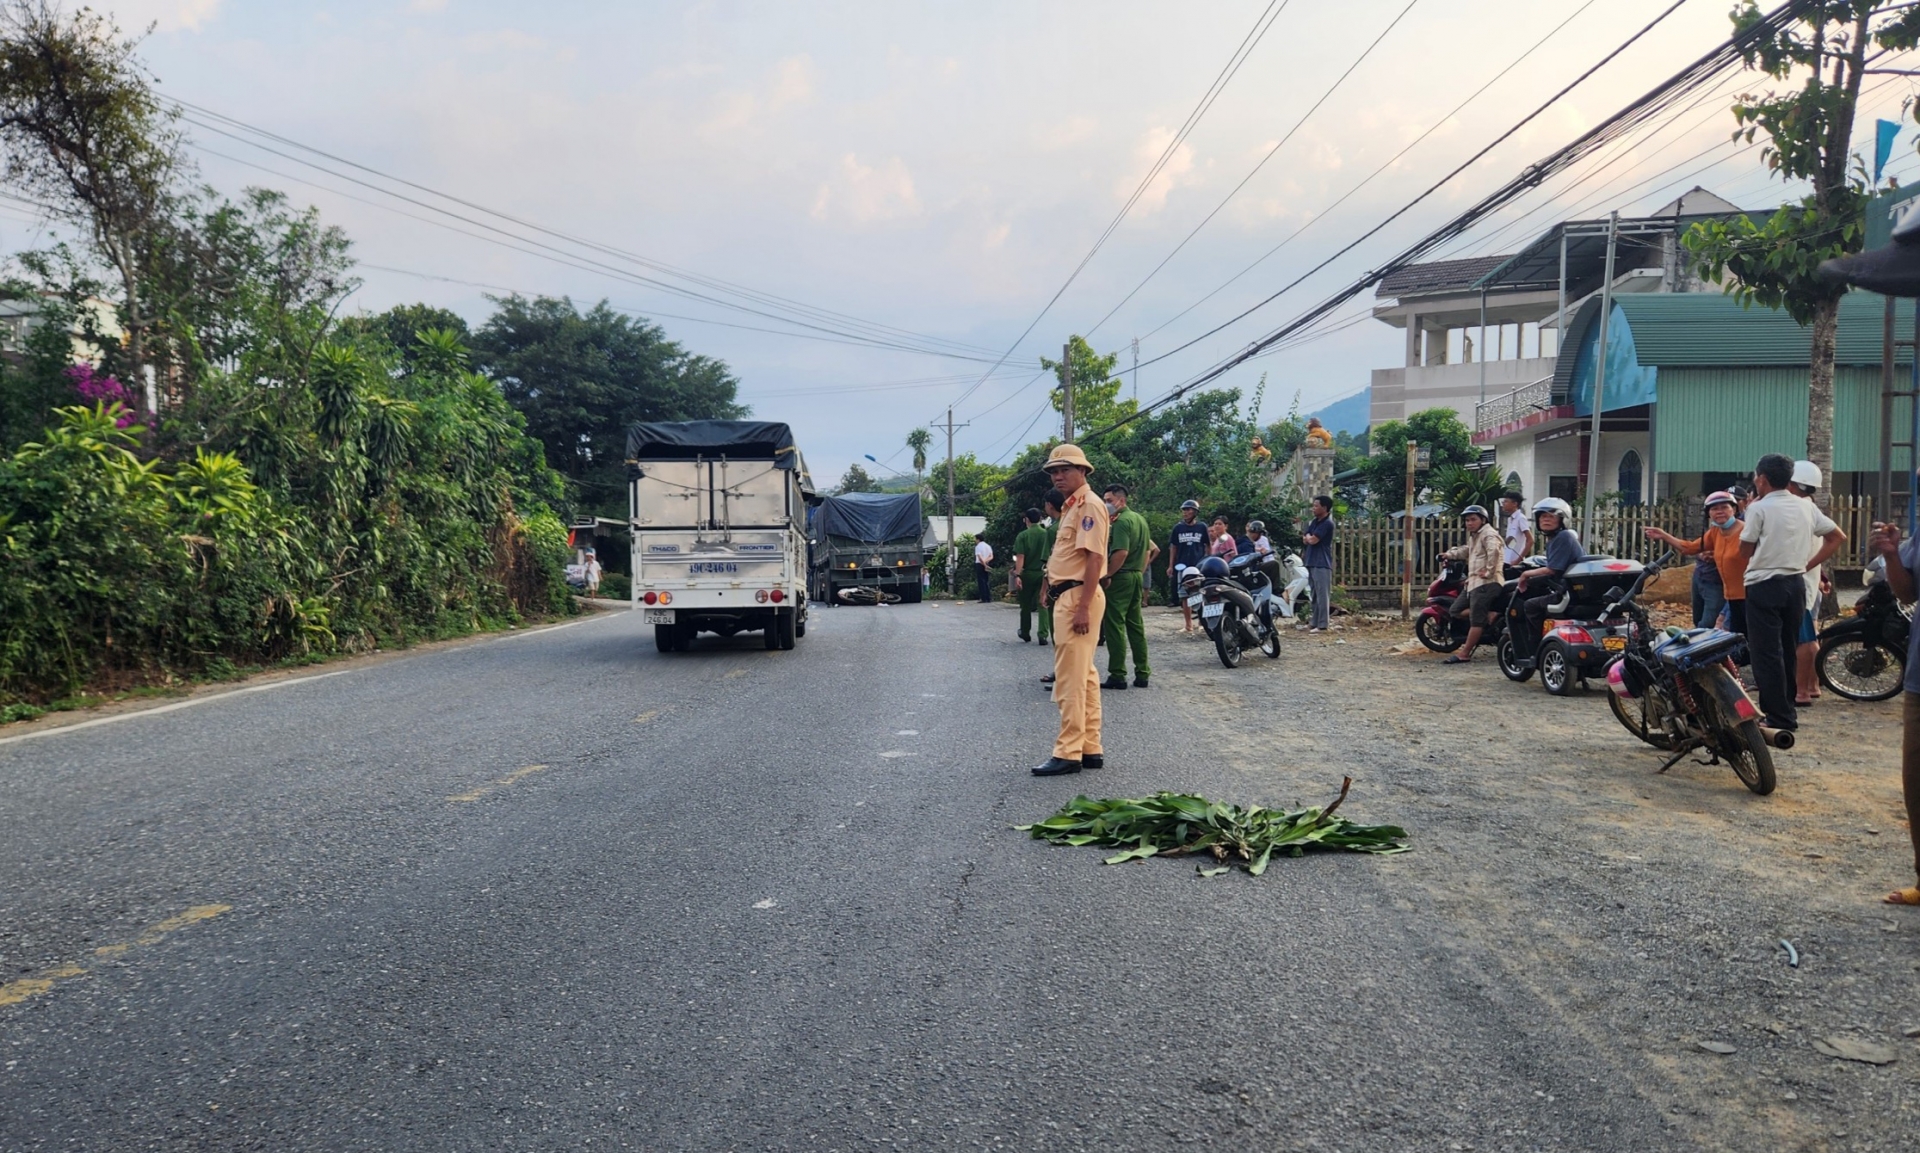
1069, 454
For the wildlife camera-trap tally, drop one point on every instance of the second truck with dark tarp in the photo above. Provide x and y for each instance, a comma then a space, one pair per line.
867, 540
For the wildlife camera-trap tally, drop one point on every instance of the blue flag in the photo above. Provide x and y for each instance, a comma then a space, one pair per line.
1884, 132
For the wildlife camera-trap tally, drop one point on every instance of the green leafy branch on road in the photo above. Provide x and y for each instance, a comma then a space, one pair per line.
1175, 824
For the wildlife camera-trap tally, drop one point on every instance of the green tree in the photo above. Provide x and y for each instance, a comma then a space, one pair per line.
919, 440
1096, 390
1809, 129
856, 480
85, 134
1437, 429
581, 378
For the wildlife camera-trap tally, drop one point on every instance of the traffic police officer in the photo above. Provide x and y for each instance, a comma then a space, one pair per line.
1074, 572
1130, 550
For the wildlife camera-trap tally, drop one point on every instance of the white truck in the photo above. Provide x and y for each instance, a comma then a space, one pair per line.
718, 510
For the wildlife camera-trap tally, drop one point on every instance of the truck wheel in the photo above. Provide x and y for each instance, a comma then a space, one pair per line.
771, 634
787, 627
800, 625
683, 635
664, 637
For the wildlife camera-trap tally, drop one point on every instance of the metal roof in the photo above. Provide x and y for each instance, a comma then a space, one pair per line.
1439, 276
1710, 328
1538, 264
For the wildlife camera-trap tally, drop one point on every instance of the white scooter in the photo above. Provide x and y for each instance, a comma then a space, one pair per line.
1295, 574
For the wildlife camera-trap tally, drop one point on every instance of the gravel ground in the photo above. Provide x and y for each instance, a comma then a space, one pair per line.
558, 891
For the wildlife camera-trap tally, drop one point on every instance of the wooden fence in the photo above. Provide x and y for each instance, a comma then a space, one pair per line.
1366, 553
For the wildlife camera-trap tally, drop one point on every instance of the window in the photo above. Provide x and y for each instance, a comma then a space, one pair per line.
1567, 488
1513, 481
1630, 479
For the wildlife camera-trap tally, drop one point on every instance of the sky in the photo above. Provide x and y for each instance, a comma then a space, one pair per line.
941, 170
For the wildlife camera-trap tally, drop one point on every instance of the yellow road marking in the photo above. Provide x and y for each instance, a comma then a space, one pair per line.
14, 992
503, 782
643, 718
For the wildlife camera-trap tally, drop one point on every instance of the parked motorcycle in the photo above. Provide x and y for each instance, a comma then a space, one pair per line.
1236, 606
1864, 657
1435, 627
1677, 692
1581, 636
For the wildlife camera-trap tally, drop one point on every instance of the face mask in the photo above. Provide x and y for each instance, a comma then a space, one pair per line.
1112, 511
1723, 516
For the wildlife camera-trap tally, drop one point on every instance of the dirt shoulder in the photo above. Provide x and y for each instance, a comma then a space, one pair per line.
1644, 910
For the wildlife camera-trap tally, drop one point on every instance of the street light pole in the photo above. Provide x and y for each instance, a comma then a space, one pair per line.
1600, 376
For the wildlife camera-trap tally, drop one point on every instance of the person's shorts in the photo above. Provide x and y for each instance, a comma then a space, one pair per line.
1808, 634
1478, 605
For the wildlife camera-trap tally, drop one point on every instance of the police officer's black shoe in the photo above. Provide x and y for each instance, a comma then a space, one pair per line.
1024, 638
1114, 683
1047, 680
1139, 682
1093, 760
1056, 767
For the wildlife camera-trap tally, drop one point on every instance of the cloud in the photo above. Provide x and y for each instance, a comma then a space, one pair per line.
428, 5
792, 82
169, 15
864, 193
1068, 132
1179, 165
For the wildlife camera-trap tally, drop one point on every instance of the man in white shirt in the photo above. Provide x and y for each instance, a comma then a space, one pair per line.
1519, 532
1778, 530
983, 569
1806, 681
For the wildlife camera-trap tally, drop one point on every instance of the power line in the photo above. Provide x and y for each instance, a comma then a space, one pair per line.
1391, 161
1261, 163
206, 118
1240, 53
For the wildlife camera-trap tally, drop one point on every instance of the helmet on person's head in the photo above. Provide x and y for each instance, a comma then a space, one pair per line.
1254, 526
1557, 507
1806, 472
1722, 497
1475, 510
1189, 504
1214, 566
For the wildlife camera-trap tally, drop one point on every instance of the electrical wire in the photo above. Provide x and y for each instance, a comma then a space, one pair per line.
1391, 161
1240, 53
1258, 165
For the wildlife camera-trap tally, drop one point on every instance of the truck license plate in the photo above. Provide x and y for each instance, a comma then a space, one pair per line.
658, 617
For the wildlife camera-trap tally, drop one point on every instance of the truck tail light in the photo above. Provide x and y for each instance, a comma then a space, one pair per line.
777, 595
651, 598
761, 596
666, 598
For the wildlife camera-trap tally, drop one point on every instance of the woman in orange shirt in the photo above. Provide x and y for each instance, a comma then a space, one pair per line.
1721, 541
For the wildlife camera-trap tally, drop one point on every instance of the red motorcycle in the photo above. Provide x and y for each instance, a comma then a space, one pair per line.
1437, 627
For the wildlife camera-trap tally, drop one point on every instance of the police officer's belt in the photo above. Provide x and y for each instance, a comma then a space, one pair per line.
1063, 586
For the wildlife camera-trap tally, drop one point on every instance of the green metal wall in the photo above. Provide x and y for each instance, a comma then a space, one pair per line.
1724, 419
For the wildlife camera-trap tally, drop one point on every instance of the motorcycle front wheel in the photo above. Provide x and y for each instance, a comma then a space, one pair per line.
1436, 632
1509, 660
1747, 752
1270, 643
1860, 669
1226, 639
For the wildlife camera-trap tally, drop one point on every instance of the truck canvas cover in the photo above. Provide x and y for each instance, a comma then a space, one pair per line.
740, 439
870, 516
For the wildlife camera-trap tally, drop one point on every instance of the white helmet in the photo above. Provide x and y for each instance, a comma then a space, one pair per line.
1806, 472
1556, 506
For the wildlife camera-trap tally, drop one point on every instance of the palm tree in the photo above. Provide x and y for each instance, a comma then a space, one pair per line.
919, 440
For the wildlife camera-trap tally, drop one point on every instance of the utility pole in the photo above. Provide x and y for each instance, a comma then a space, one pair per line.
1136, 371
1066, 387
1599, 379
1406, 538
952, 546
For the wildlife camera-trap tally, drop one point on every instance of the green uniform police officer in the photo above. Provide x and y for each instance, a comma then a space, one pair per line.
1030, 551
1130, 549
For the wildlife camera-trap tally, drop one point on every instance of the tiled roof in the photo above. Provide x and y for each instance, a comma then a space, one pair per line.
1438, 276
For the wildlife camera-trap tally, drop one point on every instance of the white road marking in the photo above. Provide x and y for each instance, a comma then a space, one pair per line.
766, 904
260, 688
907, 733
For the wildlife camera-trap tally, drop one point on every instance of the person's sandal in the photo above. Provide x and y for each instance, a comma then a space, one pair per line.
1457, 659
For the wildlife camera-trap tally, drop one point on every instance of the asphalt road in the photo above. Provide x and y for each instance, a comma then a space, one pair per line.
558, 891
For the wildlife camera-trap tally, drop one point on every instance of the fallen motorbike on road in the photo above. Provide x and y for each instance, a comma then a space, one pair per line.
1236, 606
1677, 692
1864, 657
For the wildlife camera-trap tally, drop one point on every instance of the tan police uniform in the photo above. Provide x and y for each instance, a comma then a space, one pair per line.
1084, 526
